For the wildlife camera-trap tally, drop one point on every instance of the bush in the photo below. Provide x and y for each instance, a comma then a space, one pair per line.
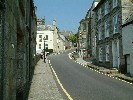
49, 50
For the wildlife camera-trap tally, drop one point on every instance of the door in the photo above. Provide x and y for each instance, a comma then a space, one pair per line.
115, 52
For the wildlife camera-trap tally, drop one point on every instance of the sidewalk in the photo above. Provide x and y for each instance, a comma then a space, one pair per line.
43, 86
111, 72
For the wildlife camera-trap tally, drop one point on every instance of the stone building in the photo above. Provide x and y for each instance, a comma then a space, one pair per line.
61, 42
86, 32
93, 29
84, 37
47, 32
110, 15
17, 48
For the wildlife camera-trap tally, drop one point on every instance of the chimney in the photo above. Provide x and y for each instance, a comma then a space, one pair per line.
54, 22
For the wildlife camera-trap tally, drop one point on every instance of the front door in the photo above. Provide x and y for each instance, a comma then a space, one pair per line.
115, 52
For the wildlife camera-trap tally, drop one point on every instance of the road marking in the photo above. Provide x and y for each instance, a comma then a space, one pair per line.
64, 90
104, 74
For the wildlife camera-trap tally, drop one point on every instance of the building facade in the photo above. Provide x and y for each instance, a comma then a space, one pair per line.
93, 29
17, 43
83, 37
110, 15
127, 40
46, 36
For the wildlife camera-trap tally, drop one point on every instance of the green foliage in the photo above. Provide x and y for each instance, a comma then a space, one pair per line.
49, 50
73, 37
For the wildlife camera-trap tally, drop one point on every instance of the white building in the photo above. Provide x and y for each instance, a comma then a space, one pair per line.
45, 33
48, 35
127, 39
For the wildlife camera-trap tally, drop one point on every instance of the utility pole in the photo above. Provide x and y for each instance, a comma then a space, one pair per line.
44, 50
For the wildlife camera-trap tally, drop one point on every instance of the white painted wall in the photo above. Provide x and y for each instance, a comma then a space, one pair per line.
127, 40
49, 41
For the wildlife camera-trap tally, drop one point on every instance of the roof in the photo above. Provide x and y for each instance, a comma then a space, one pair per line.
45, 27
129, 20
99, 4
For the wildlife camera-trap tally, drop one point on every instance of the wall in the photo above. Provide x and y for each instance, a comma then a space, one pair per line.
127, 39
16, 49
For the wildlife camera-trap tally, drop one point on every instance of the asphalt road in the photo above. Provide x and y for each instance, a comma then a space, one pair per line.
84, 84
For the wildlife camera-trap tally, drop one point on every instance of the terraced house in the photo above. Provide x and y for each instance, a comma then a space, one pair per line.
110, 15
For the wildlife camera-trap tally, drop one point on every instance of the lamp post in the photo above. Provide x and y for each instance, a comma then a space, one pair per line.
44, 50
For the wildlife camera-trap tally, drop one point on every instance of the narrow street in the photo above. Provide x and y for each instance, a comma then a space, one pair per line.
84, 84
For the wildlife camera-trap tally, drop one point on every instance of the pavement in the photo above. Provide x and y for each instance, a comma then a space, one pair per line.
106, 71
43, 86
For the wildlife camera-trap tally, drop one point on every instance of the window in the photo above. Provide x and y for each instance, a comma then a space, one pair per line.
46, 38
100, 54
107, 52
100, 32
40, 40
99, 13
39, 46
84, 26
115, 3
40, 36
107, 28
46, 46
106, 7
115, 23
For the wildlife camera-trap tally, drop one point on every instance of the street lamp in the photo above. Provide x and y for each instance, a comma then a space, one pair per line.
44, 50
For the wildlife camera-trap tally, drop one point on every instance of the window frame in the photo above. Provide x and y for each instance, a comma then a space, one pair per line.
107, 7
107, 28
39, 46
46, 37
100, 32
107, 53
100, 54
115, 23
115, 3
99, 13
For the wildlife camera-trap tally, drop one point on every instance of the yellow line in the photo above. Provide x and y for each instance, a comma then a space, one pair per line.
64, 90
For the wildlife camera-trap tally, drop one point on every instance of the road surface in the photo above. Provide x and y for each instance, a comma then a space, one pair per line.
84, 84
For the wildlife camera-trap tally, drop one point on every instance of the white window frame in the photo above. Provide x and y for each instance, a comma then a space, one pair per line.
107, 52
100, 54
115, 23
107, 28
99, 32
107, 7
46, 37
40, 40
115, 3
39, 46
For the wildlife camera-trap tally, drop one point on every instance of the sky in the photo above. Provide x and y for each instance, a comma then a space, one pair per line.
68, 13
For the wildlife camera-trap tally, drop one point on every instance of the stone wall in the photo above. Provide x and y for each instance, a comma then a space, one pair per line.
16, 48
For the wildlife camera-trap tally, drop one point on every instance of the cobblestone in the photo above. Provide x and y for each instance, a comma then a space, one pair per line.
43, 86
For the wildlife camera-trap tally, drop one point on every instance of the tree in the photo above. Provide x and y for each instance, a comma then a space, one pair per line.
73, 37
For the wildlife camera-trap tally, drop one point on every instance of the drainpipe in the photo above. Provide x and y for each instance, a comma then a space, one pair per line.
2, 46
30, 67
